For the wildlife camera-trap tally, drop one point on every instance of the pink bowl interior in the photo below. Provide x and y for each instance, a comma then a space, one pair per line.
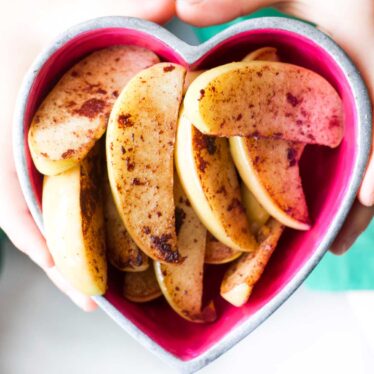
326, 174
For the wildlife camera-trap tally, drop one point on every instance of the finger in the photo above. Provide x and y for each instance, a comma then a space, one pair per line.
30, 241
211, 12
366, 193
18, 224
357, 221
83, 301
159, 11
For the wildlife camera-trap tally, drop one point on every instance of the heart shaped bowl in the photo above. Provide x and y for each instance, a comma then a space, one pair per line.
331, 177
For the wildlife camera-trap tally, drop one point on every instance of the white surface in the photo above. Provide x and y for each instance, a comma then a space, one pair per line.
41, 332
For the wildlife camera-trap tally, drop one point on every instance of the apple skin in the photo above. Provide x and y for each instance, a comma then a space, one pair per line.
209, 178
244, 273
263, 54
141, 287
266, 99
182, 284
74, 224
273, 177
217, 253
74, 115
266, 167
122, 252
190, 77
257, 215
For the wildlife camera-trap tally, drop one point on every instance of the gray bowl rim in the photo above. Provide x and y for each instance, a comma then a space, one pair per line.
192, 54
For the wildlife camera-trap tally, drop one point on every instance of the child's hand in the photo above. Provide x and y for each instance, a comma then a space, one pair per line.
351, 24
20, 47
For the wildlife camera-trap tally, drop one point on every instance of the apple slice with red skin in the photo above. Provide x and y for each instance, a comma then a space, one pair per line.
270, 169
182, 284
263, 54
243, 274
122, 252
217, 253
266, 99
257, 215
140, 149
141, 287
74, 115
74, 224
191, 75
209, 178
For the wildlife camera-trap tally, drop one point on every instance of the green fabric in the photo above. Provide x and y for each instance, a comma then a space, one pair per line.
354, 270
205, 33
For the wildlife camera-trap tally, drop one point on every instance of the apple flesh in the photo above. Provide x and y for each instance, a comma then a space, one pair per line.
141, 287
263, 54
257, 215
244, 273
209, 178
217, 253
122, 252
266, 99
75, 113
190, 77
140, 147
182, 284
270, 168
74, 224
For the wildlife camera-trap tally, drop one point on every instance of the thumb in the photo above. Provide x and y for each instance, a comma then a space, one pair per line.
211, 12
159, 11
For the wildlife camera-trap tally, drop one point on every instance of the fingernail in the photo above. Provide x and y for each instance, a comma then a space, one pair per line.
82, 301
44, 262
90, 306
366, 193
366, 196
344, 245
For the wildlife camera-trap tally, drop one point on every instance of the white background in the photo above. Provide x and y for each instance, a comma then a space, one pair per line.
42, 332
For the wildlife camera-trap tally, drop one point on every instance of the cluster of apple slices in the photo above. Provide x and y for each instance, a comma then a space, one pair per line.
235, 143
82, 225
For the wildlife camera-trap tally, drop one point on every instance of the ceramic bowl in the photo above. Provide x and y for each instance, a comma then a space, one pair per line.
330, 177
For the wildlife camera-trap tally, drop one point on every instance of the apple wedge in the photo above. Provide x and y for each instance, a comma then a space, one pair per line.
217, 253
257, 215
266, 99
243, 274
190, 77
182, 284
270, 169
209, 178
74, 115
140, 145
263, 54
74, 224
267, 167
140, 287
122, 252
